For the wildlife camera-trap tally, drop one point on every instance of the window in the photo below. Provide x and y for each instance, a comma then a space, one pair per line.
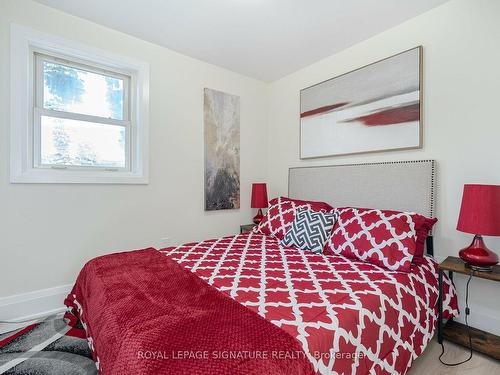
83, 117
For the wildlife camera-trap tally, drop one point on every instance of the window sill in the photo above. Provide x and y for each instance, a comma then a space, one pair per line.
55, 176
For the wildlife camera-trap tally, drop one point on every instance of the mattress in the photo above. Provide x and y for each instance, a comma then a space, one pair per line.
349, 316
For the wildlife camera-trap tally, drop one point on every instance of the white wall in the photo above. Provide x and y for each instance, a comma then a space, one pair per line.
47, 232
461, 52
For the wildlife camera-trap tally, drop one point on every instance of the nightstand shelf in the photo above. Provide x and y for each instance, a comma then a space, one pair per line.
483, 342
246, 228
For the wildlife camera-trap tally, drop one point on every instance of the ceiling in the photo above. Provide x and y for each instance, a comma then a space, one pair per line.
263, 39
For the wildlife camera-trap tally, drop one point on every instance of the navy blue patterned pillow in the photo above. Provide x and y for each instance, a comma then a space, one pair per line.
310, 230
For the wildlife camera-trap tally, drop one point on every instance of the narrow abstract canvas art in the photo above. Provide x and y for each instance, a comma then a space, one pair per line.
221, 116
374, 108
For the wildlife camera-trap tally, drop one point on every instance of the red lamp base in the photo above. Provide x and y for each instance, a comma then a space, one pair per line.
258, 218
477, 256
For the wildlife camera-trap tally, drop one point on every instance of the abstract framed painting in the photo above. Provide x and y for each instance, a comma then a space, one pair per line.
373, 108
221, 119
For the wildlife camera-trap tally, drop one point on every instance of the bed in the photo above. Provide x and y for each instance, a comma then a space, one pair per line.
246, 304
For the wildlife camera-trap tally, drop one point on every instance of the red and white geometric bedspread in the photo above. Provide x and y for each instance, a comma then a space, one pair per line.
349, 316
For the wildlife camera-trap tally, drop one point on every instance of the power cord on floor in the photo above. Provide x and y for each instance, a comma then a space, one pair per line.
467, 312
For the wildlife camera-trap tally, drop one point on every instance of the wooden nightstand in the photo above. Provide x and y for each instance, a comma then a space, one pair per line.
482, 341
246, 228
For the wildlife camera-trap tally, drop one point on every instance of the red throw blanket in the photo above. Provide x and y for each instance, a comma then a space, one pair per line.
145, 314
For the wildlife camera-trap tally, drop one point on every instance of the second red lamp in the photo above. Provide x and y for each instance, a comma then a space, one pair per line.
259, 200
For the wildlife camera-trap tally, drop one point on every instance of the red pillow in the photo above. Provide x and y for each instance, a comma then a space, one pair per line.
281, 214
423, 226
315, 206
381, 237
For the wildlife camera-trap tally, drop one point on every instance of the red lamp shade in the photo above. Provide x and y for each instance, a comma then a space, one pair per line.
259, 200
259, 195
480, 215
480, 211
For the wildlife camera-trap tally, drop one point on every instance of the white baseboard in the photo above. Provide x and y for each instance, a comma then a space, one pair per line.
32, 305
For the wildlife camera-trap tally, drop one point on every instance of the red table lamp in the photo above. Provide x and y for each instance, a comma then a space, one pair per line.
480, 215
259, 200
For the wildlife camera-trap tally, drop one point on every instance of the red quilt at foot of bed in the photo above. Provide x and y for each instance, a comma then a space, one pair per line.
145, 314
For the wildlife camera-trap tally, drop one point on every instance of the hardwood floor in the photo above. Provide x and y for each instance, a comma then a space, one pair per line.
428, 362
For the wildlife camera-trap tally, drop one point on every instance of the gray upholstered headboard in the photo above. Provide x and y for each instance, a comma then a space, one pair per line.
403, 185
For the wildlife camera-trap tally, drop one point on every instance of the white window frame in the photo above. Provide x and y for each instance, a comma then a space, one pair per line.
25, 166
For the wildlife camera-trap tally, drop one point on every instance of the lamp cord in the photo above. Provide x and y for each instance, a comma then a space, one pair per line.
467, 312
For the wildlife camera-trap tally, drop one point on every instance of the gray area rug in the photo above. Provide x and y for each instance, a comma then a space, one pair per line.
48, 347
